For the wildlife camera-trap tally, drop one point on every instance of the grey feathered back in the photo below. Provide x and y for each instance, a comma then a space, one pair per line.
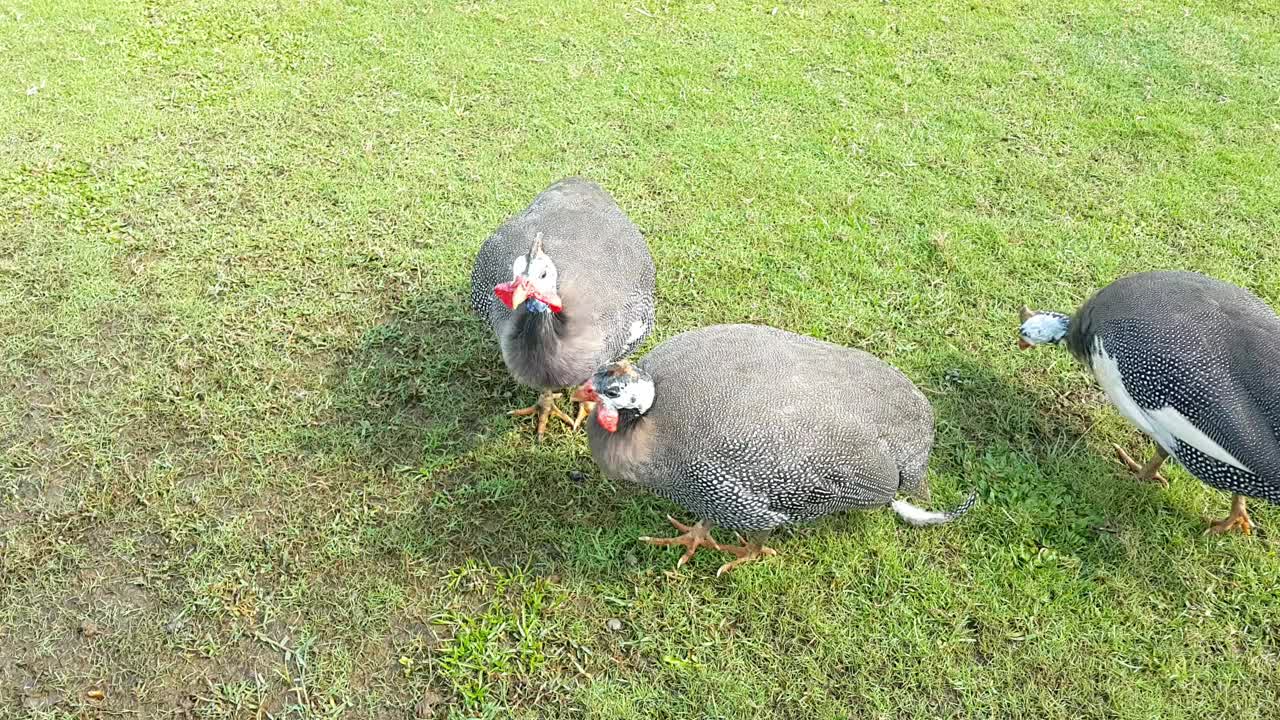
606, 283
1209, 349
754, 427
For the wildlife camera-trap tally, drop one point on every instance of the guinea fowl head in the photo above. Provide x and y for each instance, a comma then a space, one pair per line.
621, 392
533, 282
1040, 328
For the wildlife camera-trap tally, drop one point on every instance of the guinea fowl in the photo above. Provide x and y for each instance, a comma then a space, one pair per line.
753, 428
1192, 362
575, 283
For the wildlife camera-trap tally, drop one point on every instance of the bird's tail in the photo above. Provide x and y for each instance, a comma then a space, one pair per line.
919, 517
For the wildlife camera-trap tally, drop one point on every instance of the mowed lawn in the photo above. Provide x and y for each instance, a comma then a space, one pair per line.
254, 460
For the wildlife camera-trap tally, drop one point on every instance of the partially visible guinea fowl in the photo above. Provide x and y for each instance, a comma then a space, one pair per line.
752, 428
567, 286
1194, 362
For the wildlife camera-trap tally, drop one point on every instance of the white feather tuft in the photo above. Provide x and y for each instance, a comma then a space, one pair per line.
638, 329
919, 517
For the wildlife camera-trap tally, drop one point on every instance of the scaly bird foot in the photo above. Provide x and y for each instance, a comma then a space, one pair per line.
1230, 523
699, 536
745, 553
691, 537
544, 409
1145, 473
1239, 517
584, 411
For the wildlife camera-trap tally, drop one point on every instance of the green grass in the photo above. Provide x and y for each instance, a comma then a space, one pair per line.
253, 456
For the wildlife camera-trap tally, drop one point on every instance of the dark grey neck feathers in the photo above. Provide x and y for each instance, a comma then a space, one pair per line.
550, 351
1080, 337
538, 331
534, 346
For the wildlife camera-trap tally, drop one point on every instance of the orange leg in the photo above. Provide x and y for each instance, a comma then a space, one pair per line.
745, 553
544, 409
584, 411
1145, 473
691, 537
1239, 517
697, 536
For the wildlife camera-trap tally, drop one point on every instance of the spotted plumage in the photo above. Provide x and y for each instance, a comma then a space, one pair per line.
591, 280
1191, 361
752, 428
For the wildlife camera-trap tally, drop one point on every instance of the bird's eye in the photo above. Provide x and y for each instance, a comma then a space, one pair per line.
543, 276
611, 393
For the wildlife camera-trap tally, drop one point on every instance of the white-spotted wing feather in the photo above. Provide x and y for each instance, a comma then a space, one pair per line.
1166, 425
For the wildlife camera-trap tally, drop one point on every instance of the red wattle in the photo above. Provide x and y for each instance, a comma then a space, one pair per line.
552, 302
505, 292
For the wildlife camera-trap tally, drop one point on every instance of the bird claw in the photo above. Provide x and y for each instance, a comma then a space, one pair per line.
1239, 517
691, 538
682, 527
744, 553
696, 536
545, 408
1223, 526
758, 553
1143, 473
584, 412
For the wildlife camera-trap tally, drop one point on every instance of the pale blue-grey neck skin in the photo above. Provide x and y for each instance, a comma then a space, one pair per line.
535, 305
1045, 328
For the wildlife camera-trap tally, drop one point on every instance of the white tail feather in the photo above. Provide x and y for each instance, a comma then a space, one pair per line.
919, 517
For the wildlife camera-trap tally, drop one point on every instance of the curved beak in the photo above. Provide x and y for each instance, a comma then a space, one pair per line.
520, 293
1023, 344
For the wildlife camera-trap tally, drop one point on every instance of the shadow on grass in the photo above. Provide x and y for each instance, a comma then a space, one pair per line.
419, 410
424, 400
427, 377
1043, 483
